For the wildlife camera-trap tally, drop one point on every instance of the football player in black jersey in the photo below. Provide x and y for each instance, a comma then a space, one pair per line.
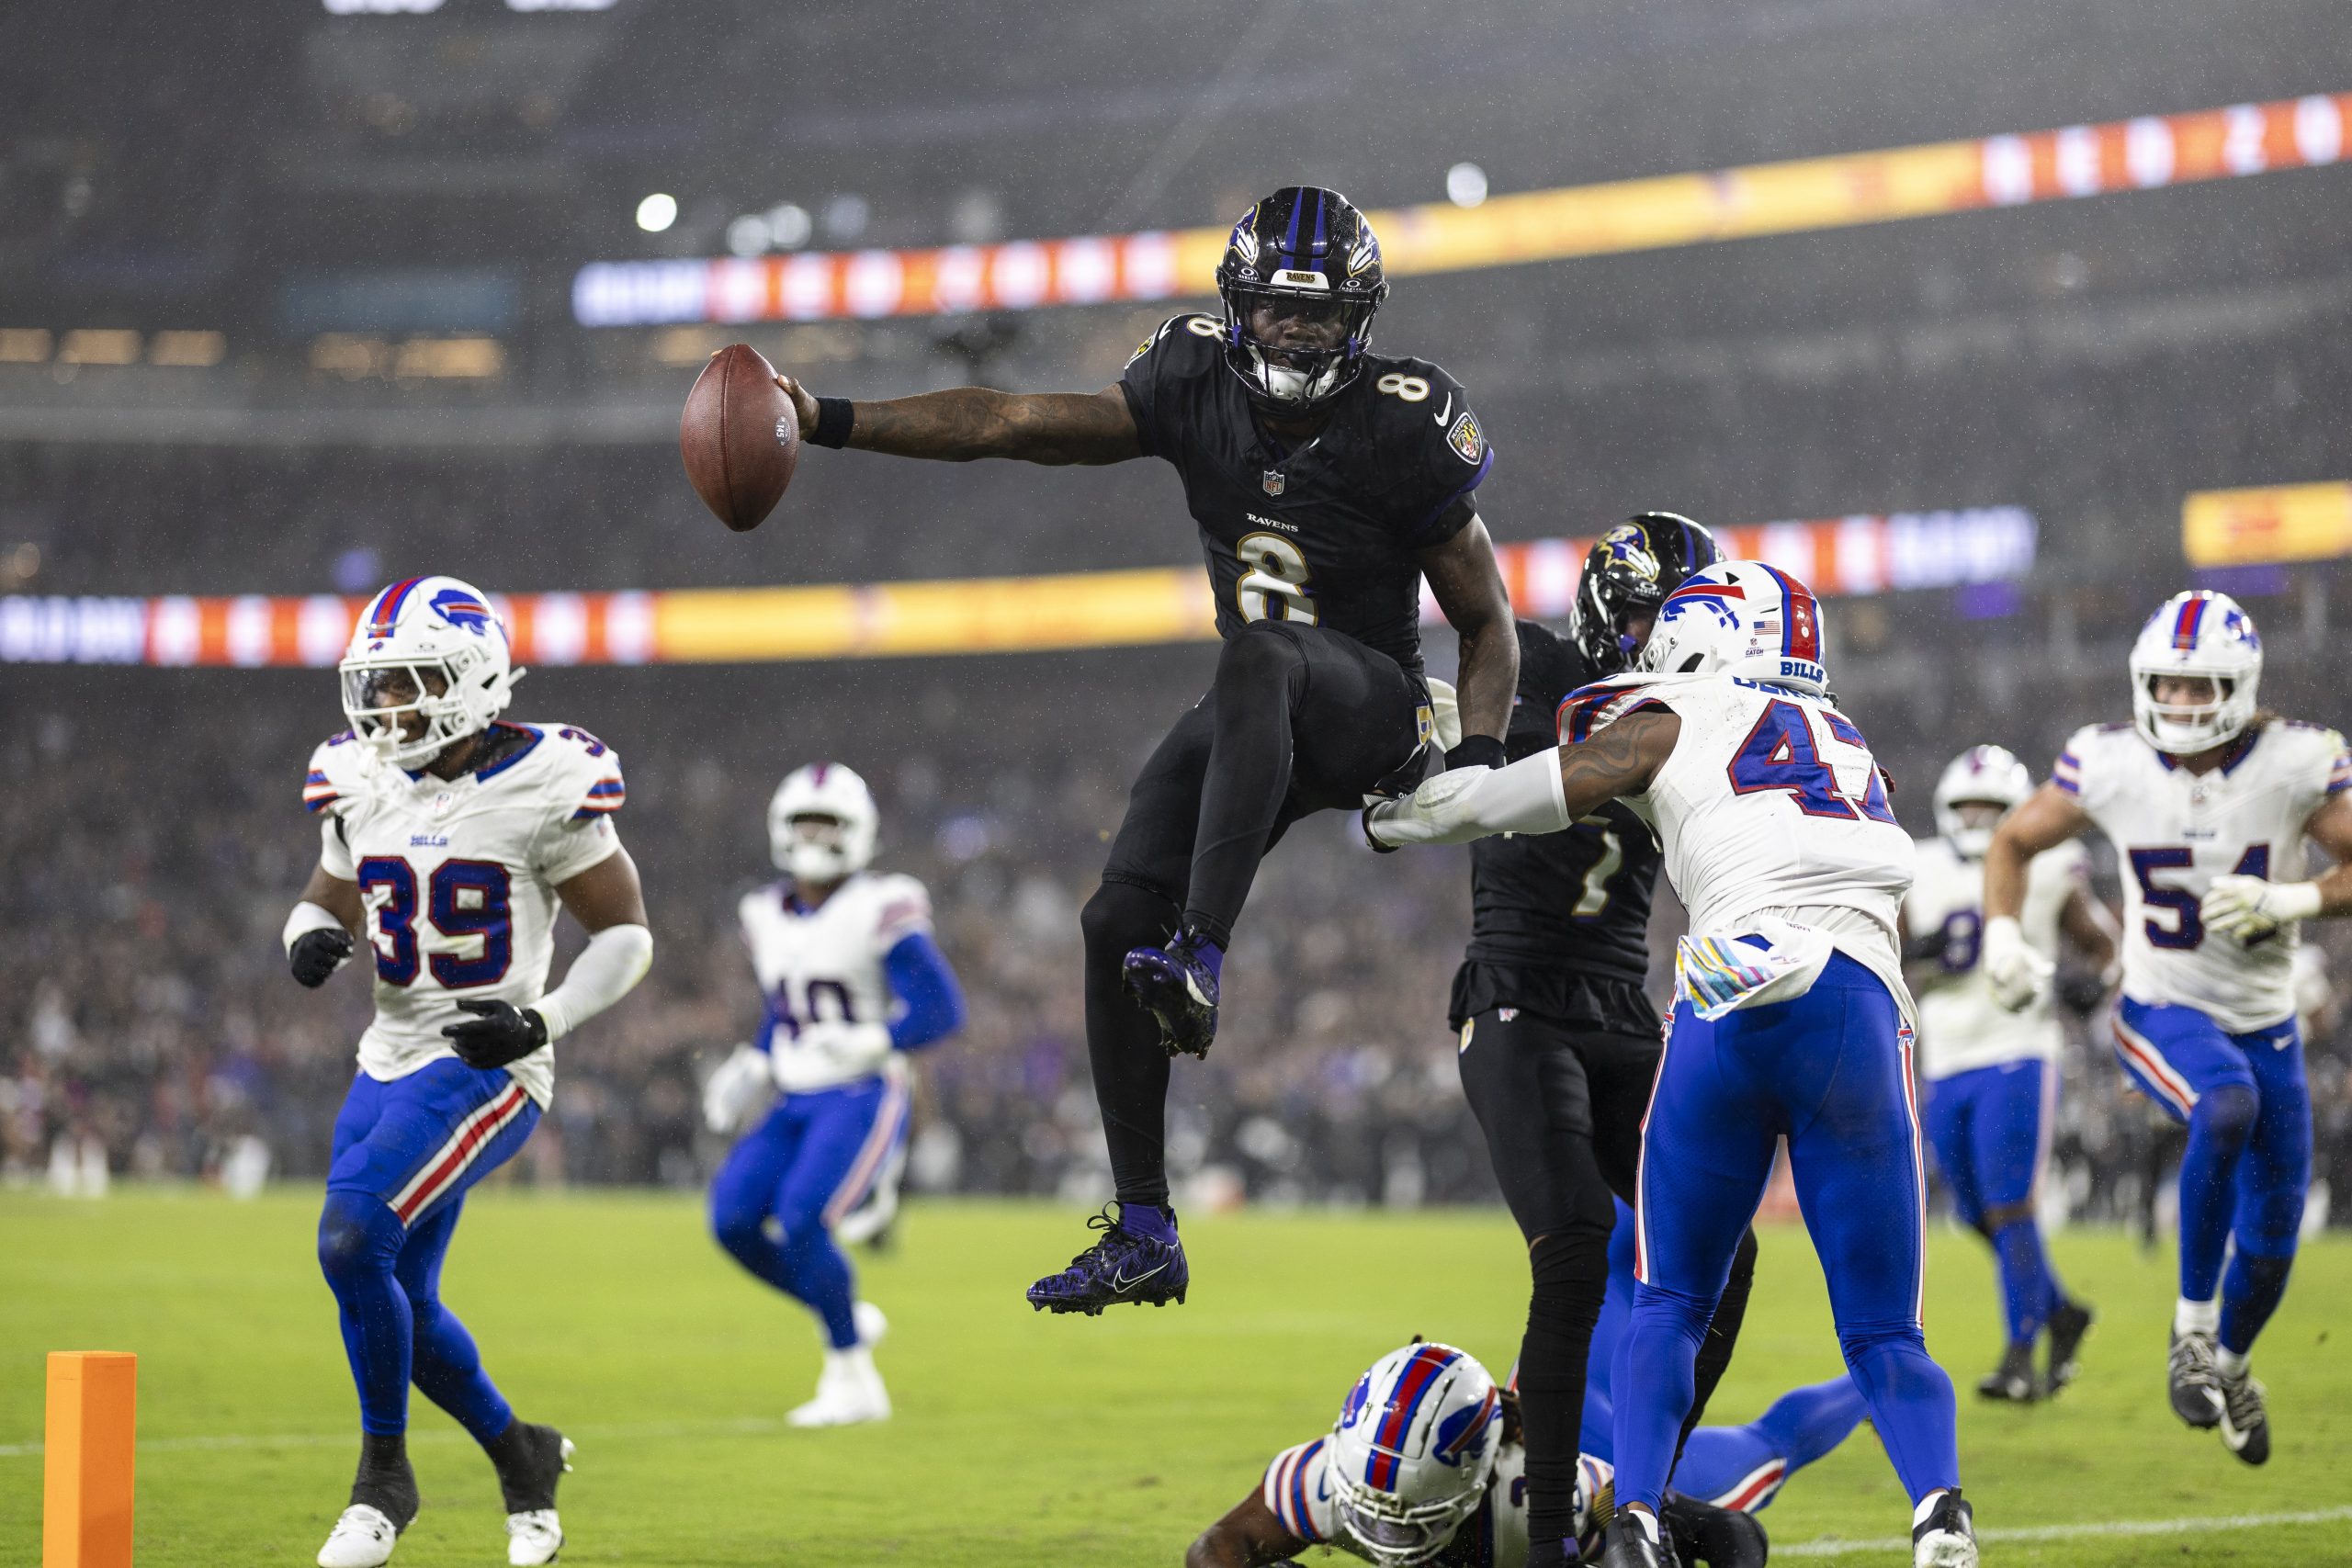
1327, 481
1559, 1041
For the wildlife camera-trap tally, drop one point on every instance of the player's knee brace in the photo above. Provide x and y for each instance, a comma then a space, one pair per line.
1123, 915
358, 1234
2225, 1112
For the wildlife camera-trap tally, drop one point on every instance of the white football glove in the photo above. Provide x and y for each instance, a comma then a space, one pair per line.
825, 1054
2249, 909
739, 1091
2019, 977
1473, 802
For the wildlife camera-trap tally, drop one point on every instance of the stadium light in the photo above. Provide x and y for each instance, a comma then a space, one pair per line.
789, 226
657, 212
1466, 185
748, 235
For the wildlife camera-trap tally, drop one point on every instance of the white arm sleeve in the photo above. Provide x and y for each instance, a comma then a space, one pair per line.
1476, 802
614, 960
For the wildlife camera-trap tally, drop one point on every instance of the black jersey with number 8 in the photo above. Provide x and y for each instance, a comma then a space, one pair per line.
1324, 532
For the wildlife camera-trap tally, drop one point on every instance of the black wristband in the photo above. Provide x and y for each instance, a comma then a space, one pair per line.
1476, 752
834, 420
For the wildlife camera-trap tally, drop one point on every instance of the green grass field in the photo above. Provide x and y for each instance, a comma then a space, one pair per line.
1023, 1439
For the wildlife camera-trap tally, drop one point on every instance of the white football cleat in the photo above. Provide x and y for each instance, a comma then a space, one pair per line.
362, 1538
533, 1539
848, 1391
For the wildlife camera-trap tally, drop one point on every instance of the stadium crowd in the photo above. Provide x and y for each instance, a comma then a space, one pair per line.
153, 841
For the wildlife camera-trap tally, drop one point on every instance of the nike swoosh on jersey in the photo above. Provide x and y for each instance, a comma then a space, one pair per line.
1122, 1281
1443, 411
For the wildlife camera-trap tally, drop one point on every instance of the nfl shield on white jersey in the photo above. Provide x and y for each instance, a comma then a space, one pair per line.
459, 878
2174, 832
1960, 1026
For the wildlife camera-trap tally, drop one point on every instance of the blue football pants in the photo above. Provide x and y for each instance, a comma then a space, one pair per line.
406, 1151
1831, 1071
1986, 1128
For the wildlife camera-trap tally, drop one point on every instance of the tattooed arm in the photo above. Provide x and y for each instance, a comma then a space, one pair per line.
965, 423
1542, 794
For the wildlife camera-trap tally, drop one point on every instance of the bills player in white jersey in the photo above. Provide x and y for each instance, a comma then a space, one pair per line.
1425, 1466
1990, 1076
448, 840
1791, 1016
2210, 803
853, 982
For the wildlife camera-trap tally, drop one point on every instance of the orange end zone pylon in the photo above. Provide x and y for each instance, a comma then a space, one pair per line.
88, 1455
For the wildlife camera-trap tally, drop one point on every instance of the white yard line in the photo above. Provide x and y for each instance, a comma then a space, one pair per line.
1833, 1547
734, 1426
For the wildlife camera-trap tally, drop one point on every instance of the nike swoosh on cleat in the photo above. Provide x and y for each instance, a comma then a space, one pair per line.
1123, 1282
1443, 411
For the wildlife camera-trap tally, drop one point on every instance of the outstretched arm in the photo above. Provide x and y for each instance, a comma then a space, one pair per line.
2047, 818
1542, 793
1469, 589
1247, 1536
965, 423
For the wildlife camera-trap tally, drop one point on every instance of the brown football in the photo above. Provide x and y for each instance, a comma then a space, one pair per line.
740, 438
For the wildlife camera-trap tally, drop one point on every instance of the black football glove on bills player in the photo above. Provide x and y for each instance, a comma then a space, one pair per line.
499, 1032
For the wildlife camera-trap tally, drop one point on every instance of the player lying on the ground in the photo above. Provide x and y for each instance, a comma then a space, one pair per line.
448, 838
1741, 1468
1328, 481
1790, 1015
1990, 1076
1559, 1043
853, 982
2207, 799
1425, 1466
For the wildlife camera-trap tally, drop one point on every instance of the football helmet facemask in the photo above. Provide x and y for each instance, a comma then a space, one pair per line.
430, 650
821, 823
2199, 633
1308, 257
1627, 574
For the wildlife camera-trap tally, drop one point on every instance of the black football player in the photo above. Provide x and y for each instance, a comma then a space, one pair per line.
1328, 481
1559, 1041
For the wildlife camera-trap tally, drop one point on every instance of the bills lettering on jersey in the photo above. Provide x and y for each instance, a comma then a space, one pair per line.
825, 963
2174, 832
459, 878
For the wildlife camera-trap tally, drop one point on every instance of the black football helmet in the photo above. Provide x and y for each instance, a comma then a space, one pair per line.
1630, 570
1307, 253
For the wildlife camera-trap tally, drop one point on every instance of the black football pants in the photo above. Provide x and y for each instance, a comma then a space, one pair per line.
1562, 1109
1300, 720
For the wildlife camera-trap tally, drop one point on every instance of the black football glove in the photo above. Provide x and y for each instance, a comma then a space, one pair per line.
1476, 752
499, 1032
2081, 992
317, 954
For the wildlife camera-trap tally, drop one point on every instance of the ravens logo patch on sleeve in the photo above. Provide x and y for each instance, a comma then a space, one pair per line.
1469, 444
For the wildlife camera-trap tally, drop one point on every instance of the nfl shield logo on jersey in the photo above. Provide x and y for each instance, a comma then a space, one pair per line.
1274, 481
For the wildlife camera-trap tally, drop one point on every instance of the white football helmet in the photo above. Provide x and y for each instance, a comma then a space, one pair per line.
2197, 632
1743, 618
429, 647
1412, 1452
821, 822
1988, 773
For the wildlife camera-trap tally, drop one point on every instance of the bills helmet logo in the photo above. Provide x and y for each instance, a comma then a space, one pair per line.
464, 611
1714, 596
1462, 1436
